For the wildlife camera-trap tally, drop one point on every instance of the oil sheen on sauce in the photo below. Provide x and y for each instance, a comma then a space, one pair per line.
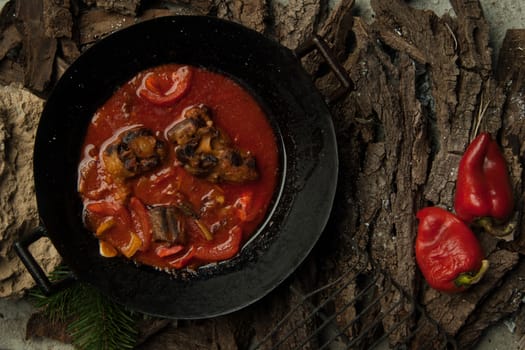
118, 210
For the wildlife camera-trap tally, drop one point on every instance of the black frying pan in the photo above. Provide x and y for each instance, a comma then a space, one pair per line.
301, 204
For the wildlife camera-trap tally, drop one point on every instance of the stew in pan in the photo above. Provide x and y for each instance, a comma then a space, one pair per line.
179, 167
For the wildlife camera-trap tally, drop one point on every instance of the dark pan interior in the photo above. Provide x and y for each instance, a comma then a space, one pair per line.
302, 124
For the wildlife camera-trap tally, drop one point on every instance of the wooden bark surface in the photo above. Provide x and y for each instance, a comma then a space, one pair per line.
422, 86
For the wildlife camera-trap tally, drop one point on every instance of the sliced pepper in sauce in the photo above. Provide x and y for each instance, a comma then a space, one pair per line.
132, 247
141, 222
164, 89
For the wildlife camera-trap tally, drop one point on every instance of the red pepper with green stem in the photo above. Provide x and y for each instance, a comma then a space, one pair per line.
447, 251
483, 189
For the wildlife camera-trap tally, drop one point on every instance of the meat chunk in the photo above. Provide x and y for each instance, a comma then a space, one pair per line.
133, 153
206, 151
192, 127
167, 224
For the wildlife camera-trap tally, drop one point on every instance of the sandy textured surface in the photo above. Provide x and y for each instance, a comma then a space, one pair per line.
19, 115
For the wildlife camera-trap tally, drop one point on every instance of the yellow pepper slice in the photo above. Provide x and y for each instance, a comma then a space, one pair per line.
106, 249
108, 223
204, 230
134, 244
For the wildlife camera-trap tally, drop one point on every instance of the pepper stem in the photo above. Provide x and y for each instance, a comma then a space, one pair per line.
467, 278
490, 227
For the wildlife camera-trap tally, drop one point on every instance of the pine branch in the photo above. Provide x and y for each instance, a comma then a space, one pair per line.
101, 324
98, 323
57, 306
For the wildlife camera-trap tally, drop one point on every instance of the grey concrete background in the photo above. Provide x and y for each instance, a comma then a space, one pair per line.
502, 15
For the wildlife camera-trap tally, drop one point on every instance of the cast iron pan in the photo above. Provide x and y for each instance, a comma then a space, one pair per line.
301, 204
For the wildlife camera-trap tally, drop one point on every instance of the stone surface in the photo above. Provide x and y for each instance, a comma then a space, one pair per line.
13, 320
19, 114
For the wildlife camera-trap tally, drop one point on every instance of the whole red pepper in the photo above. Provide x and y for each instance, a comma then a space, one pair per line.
483, 188
447, 251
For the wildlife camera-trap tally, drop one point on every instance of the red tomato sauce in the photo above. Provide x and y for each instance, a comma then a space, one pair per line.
116, 211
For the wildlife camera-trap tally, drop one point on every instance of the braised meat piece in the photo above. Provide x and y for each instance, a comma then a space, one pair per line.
206, 151
133, 153
193, 126
167, 224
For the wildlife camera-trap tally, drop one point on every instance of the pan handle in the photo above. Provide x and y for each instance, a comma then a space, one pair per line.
22, 249
316, 42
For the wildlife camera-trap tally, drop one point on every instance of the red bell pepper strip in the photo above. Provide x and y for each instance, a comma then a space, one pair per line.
110, 209
244, 207
221, 251
104, 208
183, 260
447, 251
483, 188
141, 222
163, 251
163, 89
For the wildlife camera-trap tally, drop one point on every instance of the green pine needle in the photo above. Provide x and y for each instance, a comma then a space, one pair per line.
57, 306
98, 323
